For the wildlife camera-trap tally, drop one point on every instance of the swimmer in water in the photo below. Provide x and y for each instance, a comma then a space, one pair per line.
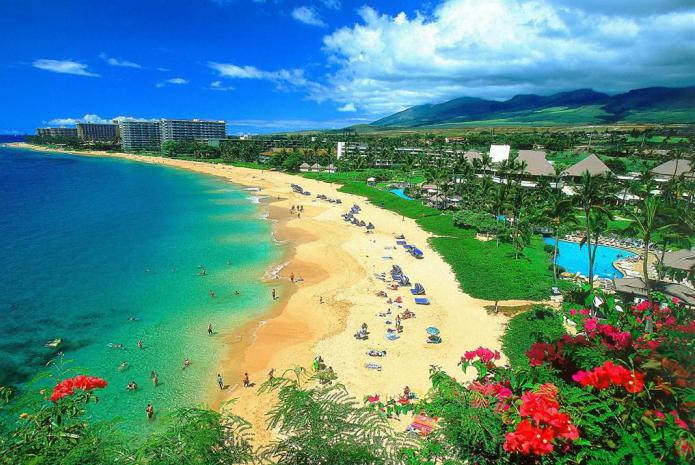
186, 364
122, 366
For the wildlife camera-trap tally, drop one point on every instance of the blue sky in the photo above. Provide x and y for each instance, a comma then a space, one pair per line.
283, 65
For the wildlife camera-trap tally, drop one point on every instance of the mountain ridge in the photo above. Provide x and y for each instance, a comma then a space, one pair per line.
648, 105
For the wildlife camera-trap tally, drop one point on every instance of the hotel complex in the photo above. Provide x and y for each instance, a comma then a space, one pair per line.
143, 135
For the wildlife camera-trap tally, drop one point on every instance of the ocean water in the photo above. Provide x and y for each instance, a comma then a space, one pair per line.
573, 259
98, 251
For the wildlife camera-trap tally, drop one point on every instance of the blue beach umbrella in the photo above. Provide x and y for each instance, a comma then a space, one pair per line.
432, 330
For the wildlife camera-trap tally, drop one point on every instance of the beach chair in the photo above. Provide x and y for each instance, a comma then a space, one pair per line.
417, 253
418, 289
396, 269
422, 301
373, 366
404, 281
400, 242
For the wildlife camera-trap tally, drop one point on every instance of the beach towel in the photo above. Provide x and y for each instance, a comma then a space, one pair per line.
392, 336
423, 425
400, 242
422, 301
373, 366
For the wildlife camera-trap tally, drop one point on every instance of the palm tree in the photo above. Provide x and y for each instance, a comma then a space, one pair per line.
592, 194
648, 219
560, 215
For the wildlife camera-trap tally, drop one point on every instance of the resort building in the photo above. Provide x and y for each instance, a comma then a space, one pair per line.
93, 132
304, 167
472, 155
591, 164
679, 265
56, 132
140, 135
499, 153
191, 129
672, 169
536, 163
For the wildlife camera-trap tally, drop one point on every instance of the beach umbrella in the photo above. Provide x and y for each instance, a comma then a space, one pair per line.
370, 226
432, 330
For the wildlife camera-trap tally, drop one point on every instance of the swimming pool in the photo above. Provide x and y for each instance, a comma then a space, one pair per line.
572, 259
401, 193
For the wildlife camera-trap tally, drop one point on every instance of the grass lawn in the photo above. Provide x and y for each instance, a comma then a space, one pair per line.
483, 270
539, 324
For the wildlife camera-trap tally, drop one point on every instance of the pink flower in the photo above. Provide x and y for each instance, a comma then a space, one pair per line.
573, 312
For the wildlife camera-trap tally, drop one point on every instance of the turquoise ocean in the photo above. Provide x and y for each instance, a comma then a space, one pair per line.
98, 251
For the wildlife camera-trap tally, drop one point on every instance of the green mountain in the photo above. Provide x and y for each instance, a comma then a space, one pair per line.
583, 106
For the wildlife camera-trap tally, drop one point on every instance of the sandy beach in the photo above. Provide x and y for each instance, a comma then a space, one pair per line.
337, 262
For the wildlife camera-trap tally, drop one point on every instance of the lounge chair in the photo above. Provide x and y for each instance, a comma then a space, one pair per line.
434, 339
404, 281
417, 253
400, 242
373, 366
422, 301
418, 289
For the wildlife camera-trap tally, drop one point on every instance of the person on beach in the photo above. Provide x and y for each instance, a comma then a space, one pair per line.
186, 364
209, 329
150, 411
398, 320
220, 383
321, 300
274, 294
140, 345
271, 374
292, 277
247, 382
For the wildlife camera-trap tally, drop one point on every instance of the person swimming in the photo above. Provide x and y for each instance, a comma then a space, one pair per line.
186, 364
132, 386
122, 366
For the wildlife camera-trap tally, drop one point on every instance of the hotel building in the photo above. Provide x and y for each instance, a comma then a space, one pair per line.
140, 135
56, 132
192, 129
97, 132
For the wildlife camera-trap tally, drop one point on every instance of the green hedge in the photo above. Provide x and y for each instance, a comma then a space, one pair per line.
540, 324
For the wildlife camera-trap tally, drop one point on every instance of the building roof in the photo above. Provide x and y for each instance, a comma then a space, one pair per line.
592, 164
674, 167
471, 155
316, 165
635, 286
536, 164
305, 165
499, 153
680, 259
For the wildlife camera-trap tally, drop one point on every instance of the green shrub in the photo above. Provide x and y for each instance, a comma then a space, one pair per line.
540, 324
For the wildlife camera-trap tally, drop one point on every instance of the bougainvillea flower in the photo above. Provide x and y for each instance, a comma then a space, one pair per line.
528, 439
609, 374
81, 382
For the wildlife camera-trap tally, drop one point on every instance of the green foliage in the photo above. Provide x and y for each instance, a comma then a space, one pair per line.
292, 162
322, 424
186, 148
540, 324
480, 221
197, 436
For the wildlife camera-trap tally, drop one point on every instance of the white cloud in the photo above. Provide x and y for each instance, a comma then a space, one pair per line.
94, 119
348, 107
308, 15
117, 62
499, 48
164, 70
332, 4
177, 81
63, 66
88, 118
217, 85
284, 79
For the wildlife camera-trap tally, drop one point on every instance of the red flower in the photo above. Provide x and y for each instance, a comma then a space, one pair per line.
528, 439
608, 375
81, 382
373, 399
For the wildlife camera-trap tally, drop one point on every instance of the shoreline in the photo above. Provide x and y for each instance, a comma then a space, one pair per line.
337, 262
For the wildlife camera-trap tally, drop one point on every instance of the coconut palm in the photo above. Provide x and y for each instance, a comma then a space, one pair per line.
649, 218
592, 194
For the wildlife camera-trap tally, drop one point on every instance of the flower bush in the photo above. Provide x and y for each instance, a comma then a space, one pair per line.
617, 390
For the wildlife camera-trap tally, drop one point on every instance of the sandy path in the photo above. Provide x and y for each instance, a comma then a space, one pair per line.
337, 261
